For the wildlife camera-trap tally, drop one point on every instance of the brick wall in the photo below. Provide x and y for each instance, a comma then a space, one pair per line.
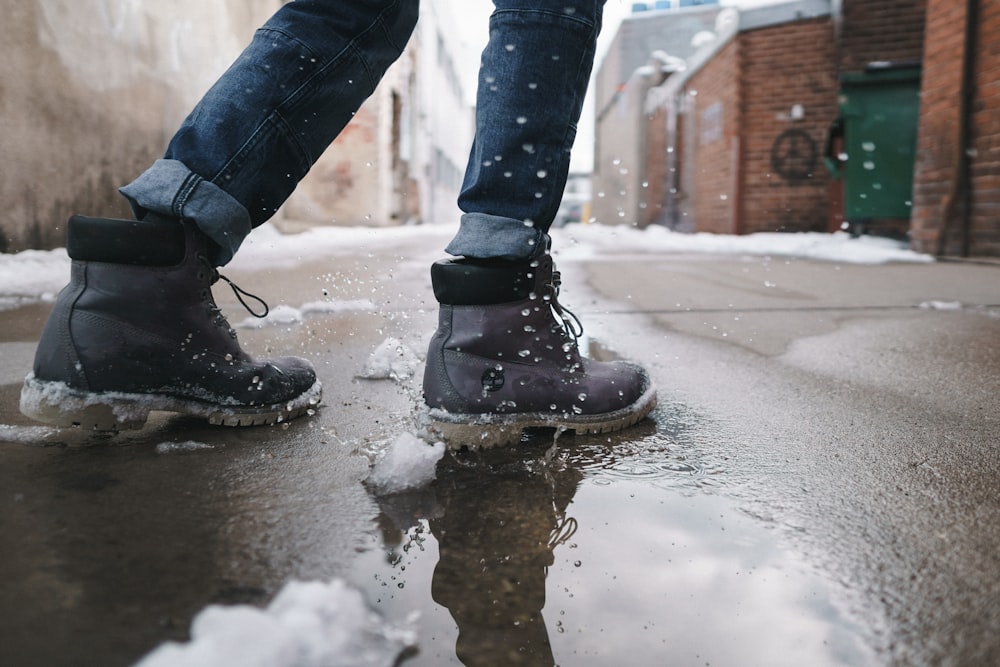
757, 115
712, 142
787, 68
939, 204
984, 238
886, 30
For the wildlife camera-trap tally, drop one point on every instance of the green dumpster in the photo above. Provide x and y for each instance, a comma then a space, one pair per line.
873, 143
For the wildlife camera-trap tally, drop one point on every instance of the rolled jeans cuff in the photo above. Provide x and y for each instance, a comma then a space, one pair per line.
484, 236
169, 188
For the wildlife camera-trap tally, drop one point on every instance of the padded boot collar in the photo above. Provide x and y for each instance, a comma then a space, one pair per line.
152, 242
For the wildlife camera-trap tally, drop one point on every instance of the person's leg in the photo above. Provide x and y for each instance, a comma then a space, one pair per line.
250, 140
534, 76
505, 354
137, 328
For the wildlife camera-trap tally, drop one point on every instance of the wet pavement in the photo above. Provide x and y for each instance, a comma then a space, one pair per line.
819, 484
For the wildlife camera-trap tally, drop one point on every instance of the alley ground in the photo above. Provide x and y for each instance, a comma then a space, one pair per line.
818, 485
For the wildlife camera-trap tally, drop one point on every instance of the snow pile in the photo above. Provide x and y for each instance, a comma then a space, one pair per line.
391, 361
588, 241
309, 624
407, 464
32, 276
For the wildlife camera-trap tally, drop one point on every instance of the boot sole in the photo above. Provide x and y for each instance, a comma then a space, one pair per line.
60, 405
484, 431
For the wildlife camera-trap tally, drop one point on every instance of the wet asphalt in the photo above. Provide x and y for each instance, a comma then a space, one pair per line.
819, 484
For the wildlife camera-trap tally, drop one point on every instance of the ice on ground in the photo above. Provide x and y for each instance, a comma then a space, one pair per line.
391, 361
309, 624
180, 447
285, 315
407, 464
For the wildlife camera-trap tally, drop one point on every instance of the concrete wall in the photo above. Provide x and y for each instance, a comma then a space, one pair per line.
90, 92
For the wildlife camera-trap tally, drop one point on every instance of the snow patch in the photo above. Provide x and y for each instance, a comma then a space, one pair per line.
309, 624
37, 275
32, 276
407, 464
941, 305
591, 240
26, 435
284, 315
391, 361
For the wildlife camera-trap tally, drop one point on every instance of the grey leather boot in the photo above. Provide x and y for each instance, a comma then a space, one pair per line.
505, 357
137, 329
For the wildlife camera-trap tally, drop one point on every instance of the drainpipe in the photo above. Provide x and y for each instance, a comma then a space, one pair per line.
960, 193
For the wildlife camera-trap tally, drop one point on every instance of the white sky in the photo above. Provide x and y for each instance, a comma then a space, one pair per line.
472, 17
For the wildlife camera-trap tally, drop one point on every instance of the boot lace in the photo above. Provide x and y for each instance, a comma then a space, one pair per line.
213, 276
569, 324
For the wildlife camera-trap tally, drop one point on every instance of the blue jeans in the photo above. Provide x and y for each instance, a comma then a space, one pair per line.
246, 145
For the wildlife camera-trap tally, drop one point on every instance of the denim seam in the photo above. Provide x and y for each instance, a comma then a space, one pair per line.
184, 192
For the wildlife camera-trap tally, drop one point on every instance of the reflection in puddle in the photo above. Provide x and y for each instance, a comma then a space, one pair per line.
598, 553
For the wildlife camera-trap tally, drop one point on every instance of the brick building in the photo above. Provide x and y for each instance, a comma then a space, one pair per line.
736, 139
731, 142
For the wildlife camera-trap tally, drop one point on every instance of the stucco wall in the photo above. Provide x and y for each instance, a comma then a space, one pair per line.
90, 92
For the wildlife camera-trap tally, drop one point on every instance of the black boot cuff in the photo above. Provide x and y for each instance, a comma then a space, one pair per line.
147, 243
463, 282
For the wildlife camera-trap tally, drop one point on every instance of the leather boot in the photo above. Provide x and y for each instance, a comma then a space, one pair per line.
137, 330
505, 357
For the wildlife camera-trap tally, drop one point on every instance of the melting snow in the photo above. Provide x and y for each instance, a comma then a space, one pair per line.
408, 463
391, 361
308, 624
187, 446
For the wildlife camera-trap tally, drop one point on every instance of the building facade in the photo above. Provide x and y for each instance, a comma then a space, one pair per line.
880, 115
735, 138
92, 91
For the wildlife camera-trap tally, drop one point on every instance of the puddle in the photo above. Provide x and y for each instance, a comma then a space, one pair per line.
601, 553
